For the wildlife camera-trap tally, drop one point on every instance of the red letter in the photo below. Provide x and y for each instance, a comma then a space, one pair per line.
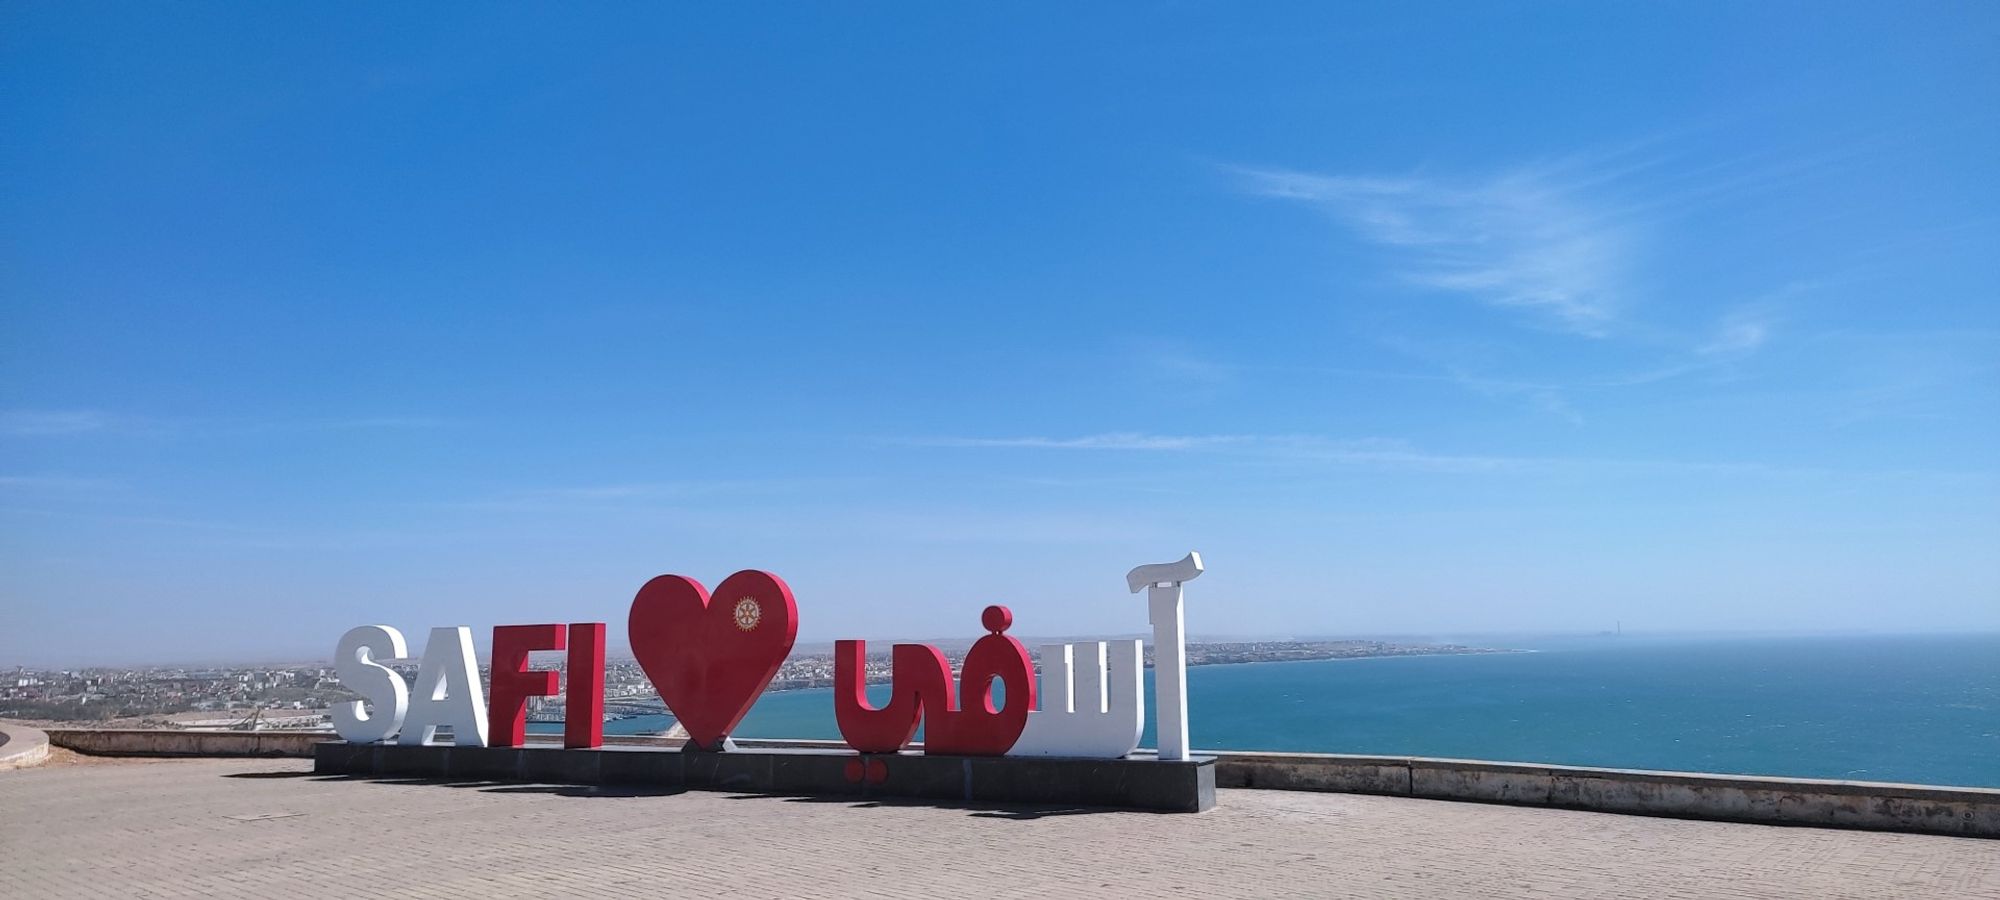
920, 691
919, 677
978, 729
583, 697
512, 683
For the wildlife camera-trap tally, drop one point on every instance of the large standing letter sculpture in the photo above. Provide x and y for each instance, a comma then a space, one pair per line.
512, 683
921, 691
710, 658
1162, 582
920, 678
447, 692
583, 695
355, 663
1093, 702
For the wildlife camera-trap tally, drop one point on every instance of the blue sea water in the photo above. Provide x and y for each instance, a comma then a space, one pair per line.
1923, 709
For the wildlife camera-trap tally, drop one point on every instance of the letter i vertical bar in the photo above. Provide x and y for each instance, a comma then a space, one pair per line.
1169, 669
583, 697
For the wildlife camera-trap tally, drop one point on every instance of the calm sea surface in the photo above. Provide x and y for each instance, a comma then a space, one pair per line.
1914, 709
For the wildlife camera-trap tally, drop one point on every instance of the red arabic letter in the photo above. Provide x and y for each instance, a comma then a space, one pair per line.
980, 728
919, 677
922, 674
583, 695
512, 683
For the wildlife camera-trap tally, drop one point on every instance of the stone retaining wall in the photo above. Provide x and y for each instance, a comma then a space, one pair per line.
1973, 812
21, 746
177, 742
170, 742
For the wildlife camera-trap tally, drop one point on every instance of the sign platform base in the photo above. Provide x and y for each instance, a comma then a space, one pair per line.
1136, 782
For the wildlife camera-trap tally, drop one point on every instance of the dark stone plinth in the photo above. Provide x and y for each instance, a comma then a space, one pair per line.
1137, 782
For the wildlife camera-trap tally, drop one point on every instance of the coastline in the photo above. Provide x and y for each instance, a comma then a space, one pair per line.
1782, 708
1192, 665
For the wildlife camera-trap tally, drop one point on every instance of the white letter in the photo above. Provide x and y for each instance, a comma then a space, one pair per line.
1079, 716
1162, 582
447, 692
354, 664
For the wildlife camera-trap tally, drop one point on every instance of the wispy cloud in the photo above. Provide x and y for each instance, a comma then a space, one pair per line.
1741, 332
177, 524
660, 490
59, 423
1396, 454
642, 495
1937, 375
1520, 241
1347, 450
42, 423
1172, 364
360, 423
1353, 451
1565, 242
1716, 352
948, 526
52, 483
1112, 441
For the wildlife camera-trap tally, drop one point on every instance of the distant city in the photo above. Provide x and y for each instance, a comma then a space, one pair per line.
298, 696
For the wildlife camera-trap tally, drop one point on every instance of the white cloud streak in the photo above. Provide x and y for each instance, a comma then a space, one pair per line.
36, 423
1519, 241
1561, 242
48, 423
1111, 441
1741, 332
1393, 454
1359, 451
52, 483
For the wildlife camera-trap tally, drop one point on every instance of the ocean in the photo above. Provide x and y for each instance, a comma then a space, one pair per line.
1921, 709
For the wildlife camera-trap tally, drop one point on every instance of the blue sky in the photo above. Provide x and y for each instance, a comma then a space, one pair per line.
1430, 320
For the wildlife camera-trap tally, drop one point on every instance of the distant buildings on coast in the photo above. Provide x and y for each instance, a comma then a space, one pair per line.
268, 697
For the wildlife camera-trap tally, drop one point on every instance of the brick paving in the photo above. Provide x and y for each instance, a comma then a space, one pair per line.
269, 828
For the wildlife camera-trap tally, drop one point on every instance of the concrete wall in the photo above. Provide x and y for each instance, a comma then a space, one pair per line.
1874, 806
165, 742
1779, 801
1971, 812
175, 742
21, 746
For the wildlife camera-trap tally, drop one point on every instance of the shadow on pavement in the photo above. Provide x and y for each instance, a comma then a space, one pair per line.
491, 787
1015, 812
588, 790
1018, 813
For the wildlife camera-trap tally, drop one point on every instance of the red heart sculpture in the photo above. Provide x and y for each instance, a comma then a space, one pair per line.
711, 658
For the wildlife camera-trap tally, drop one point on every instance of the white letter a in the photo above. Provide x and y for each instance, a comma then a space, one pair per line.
447, 692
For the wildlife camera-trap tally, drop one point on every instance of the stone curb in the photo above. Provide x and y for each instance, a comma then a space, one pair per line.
21, 746
1873, 806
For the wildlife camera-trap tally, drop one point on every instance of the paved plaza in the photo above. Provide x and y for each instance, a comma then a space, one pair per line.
269, 828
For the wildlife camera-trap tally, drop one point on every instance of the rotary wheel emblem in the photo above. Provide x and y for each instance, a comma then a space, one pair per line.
748, 613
